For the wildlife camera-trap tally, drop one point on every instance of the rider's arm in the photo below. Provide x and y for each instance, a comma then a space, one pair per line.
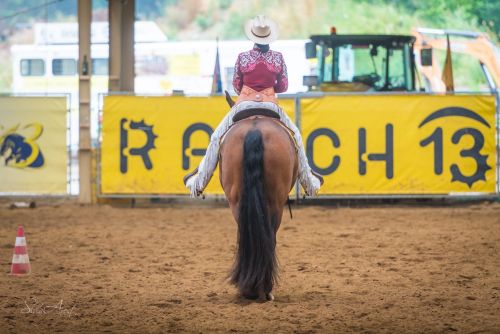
282, 80
237, 77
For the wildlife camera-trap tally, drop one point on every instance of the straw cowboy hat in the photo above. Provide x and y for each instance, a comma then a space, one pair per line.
261, 30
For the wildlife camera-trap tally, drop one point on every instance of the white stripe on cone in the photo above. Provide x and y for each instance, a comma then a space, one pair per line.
20, 241
20, 258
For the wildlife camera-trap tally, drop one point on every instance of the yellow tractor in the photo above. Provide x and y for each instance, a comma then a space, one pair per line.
361, 63
403, 63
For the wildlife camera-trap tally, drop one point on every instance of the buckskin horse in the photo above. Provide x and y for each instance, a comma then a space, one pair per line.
258, 168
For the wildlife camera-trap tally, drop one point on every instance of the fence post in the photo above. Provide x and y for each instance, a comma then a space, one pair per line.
298, 123
84, 73
497, 138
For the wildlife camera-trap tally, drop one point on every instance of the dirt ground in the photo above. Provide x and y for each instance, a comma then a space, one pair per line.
385, 269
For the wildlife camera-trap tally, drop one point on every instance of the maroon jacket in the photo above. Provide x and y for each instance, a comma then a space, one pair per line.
260, 70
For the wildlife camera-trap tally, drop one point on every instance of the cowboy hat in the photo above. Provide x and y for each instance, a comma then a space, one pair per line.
261, 30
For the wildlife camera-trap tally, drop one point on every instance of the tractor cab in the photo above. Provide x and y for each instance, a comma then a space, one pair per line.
361, 63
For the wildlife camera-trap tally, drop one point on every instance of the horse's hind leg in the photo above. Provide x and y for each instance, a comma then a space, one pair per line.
276, 216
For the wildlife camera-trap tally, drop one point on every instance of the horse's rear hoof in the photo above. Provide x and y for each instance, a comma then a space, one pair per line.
250, 295
270, 297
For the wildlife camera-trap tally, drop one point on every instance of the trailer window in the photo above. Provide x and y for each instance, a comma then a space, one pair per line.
157, 64
32, 67
63, 67
100, 66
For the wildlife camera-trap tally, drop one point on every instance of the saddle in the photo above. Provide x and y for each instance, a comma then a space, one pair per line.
249, 102
250, 108
249, 94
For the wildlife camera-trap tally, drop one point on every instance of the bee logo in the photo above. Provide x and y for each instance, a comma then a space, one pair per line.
21, 151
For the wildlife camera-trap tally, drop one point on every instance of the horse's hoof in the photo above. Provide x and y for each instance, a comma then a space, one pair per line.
270, 297
249, 295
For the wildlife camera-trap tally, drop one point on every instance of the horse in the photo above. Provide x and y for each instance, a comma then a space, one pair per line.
258, 167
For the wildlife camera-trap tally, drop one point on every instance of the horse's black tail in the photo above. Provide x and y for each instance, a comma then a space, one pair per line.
255, 268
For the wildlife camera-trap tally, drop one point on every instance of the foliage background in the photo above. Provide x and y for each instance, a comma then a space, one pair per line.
194, 19
208, 19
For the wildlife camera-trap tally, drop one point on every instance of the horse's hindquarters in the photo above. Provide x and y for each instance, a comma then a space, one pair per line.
258, 168
280, 161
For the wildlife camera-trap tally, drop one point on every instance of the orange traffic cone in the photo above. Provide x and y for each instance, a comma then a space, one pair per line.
20, 260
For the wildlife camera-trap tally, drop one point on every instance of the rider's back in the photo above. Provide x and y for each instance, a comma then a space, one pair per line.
260, 70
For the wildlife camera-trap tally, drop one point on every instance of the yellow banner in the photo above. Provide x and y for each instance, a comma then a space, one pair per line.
150, 143
401, 144
33, 150
362, 144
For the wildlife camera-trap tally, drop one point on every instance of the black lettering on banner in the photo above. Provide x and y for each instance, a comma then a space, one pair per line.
123, 146
186, 142
310, 151
437, 138
143, 151
474, 153
388, 156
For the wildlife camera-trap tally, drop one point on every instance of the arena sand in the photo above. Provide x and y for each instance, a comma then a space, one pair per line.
103, 269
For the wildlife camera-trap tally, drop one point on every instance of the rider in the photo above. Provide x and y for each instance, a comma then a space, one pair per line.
258, 75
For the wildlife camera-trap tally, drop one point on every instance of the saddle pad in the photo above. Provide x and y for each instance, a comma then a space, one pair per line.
255, 112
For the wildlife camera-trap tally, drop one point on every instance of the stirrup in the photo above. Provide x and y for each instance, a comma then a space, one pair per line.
320, 178
193, 173
199, 193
